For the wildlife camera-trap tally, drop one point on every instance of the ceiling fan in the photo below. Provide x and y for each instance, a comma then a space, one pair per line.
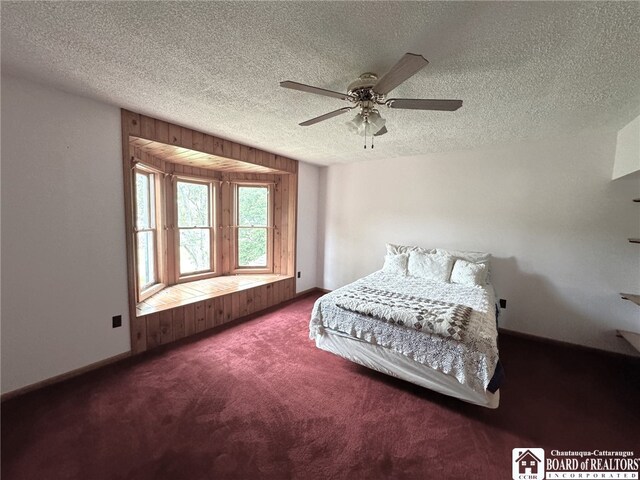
369, 91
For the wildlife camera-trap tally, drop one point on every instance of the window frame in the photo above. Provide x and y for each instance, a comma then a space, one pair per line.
236, 268
214, 228
156, 218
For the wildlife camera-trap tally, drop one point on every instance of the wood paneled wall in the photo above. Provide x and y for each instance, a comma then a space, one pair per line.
160, 328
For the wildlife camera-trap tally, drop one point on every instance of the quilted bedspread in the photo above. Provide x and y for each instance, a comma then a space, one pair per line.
441, 318
467, 351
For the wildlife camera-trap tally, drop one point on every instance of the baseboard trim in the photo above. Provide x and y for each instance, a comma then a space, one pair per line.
108, 361
64, 376
563, 344
311, 291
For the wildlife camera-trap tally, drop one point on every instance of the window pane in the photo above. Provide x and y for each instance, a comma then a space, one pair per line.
142, 201
253, 206
146, 265
195, 250
252, 247
193, 205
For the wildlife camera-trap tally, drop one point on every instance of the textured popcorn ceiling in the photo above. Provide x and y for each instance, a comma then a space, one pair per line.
524, 70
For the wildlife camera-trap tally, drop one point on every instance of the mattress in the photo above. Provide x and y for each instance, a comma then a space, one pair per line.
463, 369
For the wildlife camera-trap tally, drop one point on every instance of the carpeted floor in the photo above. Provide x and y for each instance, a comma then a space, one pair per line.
258, 400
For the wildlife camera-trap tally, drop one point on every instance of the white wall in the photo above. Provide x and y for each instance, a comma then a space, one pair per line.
627, 149
63, 241
548, 211
307, 243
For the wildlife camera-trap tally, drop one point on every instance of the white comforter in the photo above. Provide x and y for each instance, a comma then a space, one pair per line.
472, 362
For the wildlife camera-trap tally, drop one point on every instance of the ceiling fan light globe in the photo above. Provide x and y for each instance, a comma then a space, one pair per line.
355, 125
377, 122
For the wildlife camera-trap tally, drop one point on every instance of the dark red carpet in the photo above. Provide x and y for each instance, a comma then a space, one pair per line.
258, 400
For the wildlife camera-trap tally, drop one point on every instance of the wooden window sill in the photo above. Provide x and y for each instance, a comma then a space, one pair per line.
192, 292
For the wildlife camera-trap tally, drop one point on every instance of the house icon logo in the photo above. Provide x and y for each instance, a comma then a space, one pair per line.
527, 463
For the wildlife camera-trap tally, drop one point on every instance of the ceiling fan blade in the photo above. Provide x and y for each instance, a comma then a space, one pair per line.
318, 91
326, 116
424, 104
382, 131
408, 65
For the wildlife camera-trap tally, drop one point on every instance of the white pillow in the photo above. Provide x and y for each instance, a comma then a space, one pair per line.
393, 249
430, 266
473, 257
396, 264
468, 273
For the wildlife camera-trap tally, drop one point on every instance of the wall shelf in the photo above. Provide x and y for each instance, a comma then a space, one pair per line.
631, 297
631, 337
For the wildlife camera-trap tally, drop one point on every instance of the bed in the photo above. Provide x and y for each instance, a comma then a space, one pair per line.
421, 320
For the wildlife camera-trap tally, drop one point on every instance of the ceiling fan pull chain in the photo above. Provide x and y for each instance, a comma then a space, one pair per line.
365, 137
372, 138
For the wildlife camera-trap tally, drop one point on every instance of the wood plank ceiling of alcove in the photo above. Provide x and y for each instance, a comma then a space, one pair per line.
194, 158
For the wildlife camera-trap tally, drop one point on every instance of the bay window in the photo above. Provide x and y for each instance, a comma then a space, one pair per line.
179, 234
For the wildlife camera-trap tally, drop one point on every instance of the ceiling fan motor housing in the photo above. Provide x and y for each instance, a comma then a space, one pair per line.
366, 80
362, 92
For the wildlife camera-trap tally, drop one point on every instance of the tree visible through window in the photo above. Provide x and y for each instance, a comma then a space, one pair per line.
195, 235
252, 226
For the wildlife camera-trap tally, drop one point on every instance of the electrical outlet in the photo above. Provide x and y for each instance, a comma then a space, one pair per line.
298, 274
503, 303
116, 321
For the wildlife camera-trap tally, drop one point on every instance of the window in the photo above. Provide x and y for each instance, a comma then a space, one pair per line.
253, 232
195, 227
146, 232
